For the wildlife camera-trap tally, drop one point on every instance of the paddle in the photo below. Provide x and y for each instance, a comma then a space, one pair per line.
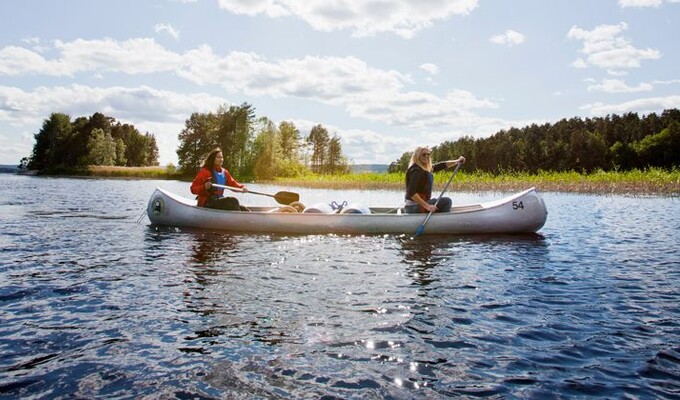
422, 227
280, 197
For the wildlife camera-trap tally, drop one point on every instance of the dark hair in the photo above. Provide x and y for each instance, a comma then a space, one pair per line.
210, 160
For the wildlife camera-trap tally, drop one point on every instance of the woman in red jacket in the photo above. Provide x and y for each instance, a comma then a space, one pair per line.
212, 172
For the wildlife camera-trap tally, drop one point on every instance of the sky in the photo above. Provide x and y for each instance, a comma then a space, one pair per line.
384, 75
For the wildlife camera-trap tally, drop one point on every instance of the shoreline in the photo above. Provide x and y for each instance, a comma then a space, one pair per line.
603, 188
652, 182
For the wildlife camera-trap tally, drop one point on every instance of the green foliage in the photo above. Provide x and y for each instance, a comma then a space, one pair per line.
97, 140
101, 148
52, 138
661, 149
610, 143
255, 147
318, 140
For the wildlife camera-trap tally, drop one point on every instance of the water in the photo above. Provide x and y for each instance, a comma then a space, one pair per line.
95, 305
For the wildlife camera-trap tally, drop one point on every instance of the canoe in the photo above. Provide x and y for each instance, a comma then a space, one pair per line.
524, 212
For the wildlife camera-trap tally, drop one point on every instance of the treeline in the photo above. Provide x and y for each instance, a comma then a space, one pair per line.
257, 148
97, 140
608, 143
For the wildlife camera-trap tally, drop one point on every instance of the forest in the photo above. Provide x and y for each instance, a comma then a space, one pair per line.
614, 142
256, 147
253, 147
95, 140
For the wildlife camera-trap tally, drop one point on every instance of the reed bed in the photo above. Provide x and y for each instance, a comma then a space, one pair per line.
132, 172
636, 182
653, 181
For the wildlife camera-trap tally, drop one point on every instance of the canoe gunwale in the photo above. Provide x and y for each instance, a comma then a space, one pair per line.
499, 216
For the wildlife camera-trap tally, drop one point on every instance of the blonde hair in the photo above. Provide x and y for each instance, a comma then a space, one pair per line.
415, 158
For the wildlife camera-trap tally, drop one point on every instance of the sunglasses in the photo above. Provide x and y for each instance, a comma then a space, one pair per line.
425, 154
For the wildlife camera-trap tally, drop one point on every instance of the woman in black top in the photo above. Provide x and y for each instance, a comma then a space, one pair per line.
419, 181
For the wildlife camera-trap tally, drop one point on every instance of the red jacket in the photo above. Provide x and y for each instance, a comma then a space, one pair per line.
205, 175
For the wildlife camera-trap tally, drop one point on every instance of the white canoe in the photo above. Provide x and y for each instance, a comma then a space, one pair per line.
523, 212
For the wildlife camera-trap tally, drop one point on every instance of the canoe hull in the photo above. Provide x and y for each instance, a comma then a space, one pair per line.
523, 212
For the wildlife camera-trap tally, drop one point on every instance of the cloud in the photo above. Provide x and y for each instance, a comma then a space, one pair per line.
133, 56
156, 111
509, 38
363, 17
143, 103
643, 106
364, 92
348, 82
640, 3
430, 68
619, 86
604, 47
365, 146
167, 28
666, 82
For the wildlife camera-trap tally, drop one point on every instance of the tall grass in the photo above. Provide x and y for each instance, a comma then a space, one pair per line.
132, 172
651, 181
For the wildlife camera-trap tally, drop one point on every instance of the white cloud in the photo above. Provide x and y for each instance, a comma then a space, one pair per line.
167, 28
640, 3
131, 56
604, 47
364, 145
619, 86
579, 63
363, 17
643, 105
363, 91
430, 68
508, 38
616, 72
146, 108
143, 103
666, 82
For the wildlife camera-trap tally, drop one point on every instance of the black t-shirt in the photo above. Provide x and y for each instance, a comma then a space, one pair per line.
420, 181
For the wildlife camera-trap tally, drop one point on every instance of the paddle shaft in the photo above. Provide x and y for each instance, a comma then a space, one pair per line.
235, 189
422, 227
280, 197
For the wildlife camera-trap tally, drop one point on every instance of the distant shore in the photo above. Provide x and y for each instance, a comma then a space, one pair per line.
636, 182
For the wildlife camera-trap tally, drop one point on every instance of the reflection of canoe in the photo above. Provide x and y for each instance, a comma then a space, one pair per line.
520, 213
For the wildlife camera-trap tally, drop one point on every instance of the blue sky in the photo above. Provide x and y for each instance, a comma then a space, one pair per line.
385, 76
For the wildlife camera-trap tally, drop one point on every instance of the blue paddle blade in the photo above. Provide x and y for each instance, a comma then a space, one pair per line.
420, 230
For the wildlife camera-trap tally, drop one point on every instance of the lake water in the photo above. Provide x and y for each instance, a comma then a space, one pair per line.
94, 304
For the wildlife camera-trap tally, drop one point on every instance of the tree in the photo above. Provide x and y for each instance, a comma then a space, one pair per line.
268, 152
318, 139
401, 165
97, 140
23, 164
152, 150
661, 149
54, 131
290, 141
234, 136
121, 158
101, 148
336, 162
196, 140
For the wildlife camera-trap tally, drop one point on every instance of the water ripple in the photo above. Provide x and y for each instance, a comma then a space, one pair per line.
95, 305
